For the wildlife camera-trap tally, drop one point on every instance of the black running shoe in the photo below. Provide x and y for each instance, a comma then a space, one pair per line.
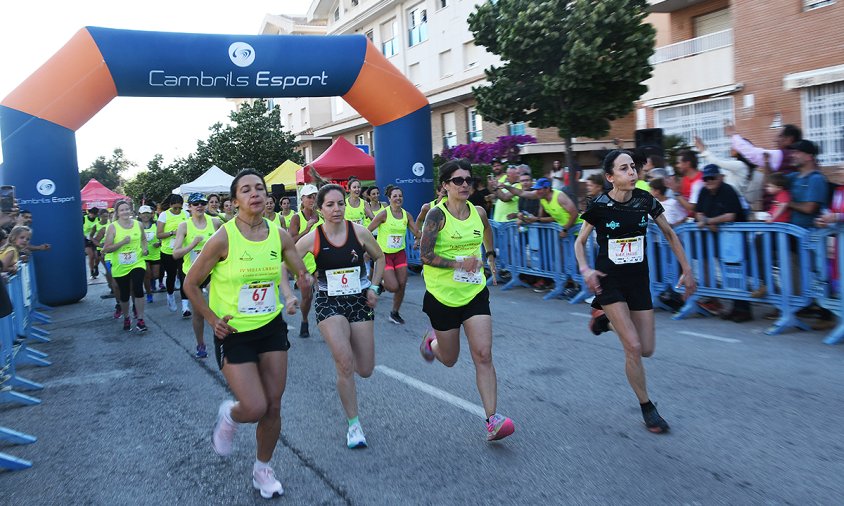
654, 422
396, 318
599, 322
303, 330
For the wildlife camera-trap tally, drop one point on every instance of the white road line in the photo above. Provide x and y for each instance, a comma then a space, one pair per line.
433, 391
709, 336
580, 314
88, 379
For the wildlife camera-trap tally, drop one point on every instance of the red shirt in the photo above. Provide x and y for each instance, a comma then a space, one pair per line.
782, 197
687, 182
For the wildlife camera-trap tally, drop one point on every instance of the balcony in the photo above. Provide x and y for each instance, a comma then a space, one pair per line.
692, 67
671, 5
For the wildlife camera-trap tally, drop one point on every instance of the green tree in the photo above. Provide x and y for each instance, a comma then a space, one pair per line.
108, 172
575, 65
153, 184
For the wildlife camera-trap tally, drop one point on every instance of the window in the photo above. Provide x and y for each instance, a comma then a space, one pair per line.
717, 21
704, 119
413, 73
290, 120
388, 36
442, 4
360, 139
417, 22
306, 152
338, 105
470, 55
449, 130
337, 14
476, 127
823, 120
816, 4
516, 128
446, 65
303, 116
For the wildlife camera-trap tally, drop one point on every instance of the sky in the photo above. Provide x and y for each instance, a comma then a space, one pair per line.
31, 31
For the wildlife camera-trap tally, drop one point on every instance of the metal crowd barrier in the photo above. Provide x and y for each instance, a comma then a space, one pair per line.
828, 245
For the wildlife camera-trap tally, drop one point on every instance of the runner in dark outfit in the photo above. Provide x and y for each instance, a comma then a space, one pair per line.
620, 278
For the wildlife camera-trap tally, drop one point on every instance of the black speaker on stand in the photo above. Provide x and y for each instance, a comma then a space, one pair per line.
649, 142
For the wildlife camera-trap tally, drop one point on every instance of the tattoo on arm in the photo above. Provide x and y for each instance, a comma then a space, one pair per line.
434, 222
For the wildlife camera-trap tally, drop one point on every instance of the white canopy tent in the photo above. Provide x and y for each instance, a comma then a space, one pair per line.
214, 180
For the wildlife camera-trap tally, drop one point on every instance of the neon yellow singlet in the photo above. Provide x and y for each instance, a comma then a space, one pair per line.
643, 185
355, 214
457, 238
308, 259
191, 232
392, 232
172, 223
246, 283
502, 209
129, 256
287, 219
554, 209
154, 253
88, 226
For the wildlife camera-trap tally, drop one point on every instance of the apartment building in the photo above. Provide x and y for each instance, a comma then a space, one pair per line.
759, 64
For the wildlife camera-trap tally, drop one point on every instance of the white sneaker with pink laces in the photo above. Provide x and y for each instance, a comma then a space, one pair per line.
224, 430
263, 479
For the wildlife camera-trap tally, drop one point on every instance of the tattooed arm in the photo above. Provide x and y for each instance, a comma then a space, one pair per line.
434, 222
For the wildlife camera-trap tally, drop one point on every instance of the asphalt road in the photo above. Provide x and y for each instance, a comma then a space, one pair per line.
126, 418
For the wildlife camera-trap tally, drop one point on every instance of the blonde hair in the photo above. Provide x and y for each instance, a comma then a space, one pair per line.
18, 230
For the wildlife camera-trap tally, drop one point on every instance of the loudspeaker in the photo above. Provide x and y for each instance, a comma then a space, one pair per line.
649, 141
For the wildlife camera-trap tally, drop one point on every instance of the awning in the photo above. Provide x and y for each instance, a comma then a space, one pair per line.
813, 77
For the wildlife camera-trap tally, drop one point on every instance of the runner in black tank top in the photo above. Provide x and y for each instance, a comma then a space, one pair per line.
621, 282
345, 299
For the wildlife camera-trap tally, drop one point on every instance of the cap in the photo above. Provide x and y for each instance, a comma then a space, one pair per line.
308, 189
805, 146
495, 160
711, 170
144, 209
541, 183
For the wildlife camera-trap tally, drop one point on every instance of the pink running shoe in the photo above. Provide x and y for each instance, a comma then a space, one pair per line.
425, 347
264, 480
224, 430
499, 427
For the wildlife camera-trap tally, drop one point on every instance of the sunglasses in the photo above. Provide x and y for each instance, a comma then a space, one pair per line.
199, 203
710, 178
460, 181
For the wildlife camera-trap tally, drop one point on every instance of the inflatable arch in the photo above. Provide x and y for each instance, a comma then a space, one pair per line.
39, 118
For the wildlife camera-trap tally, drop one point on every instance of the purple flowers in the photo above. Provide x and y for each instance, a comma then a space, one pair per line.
507, 147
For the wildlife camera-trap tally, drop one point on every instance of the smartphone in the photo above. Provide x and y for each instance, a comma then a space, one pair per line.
7, 198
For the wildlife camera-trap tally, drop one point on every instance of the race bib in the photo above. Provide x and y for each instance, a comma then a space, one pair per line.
395, 241
461, 276
627, 251
257, 298
194, 253
127, 257
150, 236
345, 281
173, 243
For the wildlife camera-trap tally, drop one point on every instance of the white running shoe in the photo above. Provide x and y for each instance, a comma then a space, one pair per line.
224, 430
264, 480
355, 437
171, 302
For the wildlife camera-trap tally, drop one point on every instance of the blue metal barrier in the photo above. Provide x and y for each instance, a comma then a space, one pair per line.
20, 291
536, 250
827, 293
411, 252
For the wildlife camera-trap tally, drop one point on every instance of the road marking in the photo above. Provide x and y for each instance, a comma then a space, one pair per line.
580, 314
709, 336
433, 391
88, 379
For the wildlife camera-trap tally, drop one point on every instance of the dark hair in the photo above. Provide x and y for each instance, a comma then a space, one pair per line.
175, 198
451, 166
320, 197
778, 179
394, 188
388, 188
657, 160
120, 203
282, 199
352, 179
271, 196
609, 160
597, 179
792, 131
94, 210
242, 173
213, 195
658, 184
687, 155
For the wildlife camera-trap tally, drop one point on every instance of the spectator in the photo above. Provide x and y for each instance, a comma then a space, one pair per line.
479, 196
507, 204
777, 187
498, 170
779, 159
594, 185
557, 175
528, 208
738, 172
674, 212
25, 219
720, 204
652, 162
692, 183
16, 243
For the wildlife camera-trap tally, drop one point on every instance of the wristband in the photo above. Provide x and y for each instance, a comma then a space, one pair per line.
491, 254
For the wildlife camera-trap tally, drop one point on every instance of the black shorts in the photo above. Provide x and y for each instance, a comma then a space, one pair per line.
634, 289
351, 307
154, 262
244, 347
447, 318
89, 244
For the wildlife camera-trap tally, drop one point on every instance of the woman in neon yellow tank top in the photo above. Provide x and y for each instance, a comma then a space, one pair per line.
244, 310
168, 223
357, 209
153, 257
456, 293
190, 238
269, 212
304, 221
126, 241
392, 224
286, 214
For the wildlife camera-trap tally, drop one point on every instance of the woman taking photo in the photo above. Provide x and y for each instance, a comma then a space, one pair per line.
456, 294
620, 278
125, 238
345, 299
392, 224
244, 311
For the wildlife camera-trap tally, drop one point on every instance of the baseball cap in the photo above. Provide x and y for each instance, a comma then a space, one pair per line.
541, 183
308, 189
805, 146
144, 209
711, 170
197, 197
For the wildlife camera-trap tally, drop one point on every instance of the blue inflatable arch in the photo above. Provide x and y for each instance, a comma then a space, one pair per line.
38, 120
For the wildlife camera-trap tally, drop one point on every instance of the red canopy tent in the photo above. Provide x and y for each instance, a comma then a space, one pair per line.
96, 195
340, 161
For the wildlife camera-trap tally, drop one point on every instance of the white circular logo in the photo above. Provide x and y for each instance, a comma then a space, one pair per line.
46, 187
418, 169
241, 54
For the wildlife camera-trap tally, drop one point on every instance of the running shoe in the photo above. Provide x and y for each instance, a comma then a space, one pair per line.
499, 427
396, 318
127, 324
264, 481
224, 430
201, 351
355, 437
118, 312
425, 347
303, 330
599, 322
141, 326
711, 306
654, 422
171, 302
186, 314
149, 298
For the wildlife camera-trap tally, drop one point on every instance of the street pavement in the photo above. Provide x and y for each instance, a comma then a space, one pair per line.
126, 418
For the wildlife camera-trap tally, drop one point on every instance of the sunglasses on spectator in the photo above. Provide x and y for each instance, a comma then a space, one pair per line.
460, 181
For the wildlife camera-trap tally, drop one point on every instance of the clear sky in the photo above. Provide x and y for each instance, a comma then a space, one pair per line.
31, 31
